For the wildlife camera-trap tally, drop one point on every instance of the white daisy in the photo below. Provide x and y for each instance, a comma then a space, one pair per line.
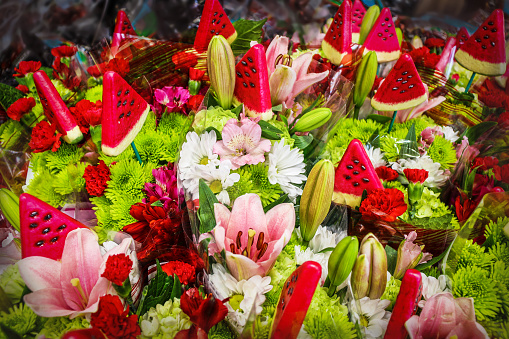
324, 239
217, 178
450, 134
286, 168
436, 176
376, 156
308, 255
371, 316
432, 286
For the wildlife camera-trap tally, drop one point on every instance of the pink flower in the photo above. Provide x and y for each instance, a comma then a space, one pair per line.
242, 143
444, 317
409, 255
174, 98
73, 286
252, 239
466, 151
428, 135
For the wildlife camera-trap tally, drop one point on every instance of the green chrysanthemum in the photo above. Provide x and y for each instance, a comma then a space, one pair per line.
391, 291
432, 271
421, 124
494, 231
66, 154
394, 184
39, 188
290, 246
500, 251
496, 328
151, 148
259, 177
20, 319
474, 255
500, 274
221, 331
150, 123
70, 179
54, 328
442, 151
174, 124
283, 128
389, 148
95, 93
241, 187
128, 179
283, 268
263, 325
399, 134
128, 153
120, 212
473, 282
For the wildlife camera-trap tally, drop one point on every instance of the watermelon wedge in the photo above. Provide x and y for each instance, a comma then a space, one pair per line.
354, 174
461, 37
123, 28
358, 12
484, 51
43, 228
338, 40
252, 83
295, 300
402, 89
214, 21
124, 113
382, 39
55, 109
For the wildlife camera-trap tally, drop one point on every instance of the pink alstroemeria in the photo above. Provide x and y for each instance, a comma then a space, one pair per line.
242, 143
428, 135
409, 255
443, 317
252, 239
174, 98
289, 77
73, 286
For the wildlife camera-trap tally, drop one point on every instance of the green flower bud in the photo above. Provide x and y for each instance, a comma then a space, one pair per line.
221, 68
342, 260
313, 119
9, 204
369, 274
366, 74
368, 21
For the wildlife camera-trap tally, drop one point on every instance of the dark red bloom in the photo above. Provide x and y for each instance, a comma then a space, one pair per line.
22, 88
196, 74
386, 173
113, 320
26, 67
87, 114
64, 51
384, 204
431, 60
20, 107
194, 332
464, 207
118, 267
416, 175
484, 163
434, 42
205, 313
504, 173
184, 271
95, 70
418, 55
66, 74
44, 138
118, 65
96, 178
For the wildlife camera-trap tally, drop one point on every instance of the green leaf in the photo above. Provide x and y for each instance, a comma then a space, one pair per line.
379, 118
270, 132
206, 210
392, 258
284, 119
410, 149
176, 291
280, 200
159, 290
302, 141
327, 249
157, 203
218, 134
237, 110
473, 133
433, 261
374, 139
8, 95
247, 31
277, 108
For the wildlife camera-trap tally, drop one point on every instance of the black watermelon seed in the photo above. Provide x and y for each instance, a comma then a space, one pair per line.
287, 284
223, 26
486, 37
119, 103
483, 46
490, 23
341, 22
249, 59
213, 20
404, 82
283, 307
39, 243
335, 21
215, 13
46, 230
394, 88
411, 86
128, 114
212, 31
125, 23
253, 70
356, 9
399, 79
239, 74
386, 30
355, 172
121, 116
484, 27
126, 92
409, 77
334, 38
478, 40
494, 30
332, 29
386, 19
363, 167
221, 16
355, 14
356, 161
47, 217
339, 35
384, 39
245, 85
365, 179
339, 14
33, 225
391, 35
383, 23
405, 73
348, 177
389, 25
356, 184
244, 63
252, 85
119, 93
217, 33
132, 102
34, 214
353, 21
247, 74
61, 227
380, 34
218, 22
54, 239
402, 91
349, 166
124, 103
493, 43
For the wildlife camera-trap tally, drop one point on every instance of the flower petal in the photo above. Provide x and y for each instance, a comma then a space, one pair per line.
39, 272
468, 329
247, 213
241, 267
301, 64
412, 327
278, 45
307, 80
222, 215
280, 222
123, 247
48, 302
100, 289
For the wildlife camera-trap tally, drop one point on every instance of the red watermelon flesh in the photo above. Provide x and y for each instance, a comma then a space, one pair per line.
358, 12
43, 228
402, 89
123, 28
462, 37
338, 40
55, 109
383, 39
252, 83
124, 113
294, 301
484, 51
214, 21
354, 174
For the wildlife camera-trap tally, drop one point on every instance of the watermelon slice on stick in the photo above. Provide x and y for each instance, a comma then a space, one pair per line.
214, 21
252, 83
124, 113
55, 109
43, 228
338, 40
123, 29
354, 174
382, 39
294, 301
484, 51
461, 37
358, 12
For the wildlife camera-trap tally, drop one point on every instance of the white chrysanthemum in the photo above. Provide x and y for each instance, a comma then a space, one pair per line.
436, 176
432, 286
376, 156
286, 168
450, 134
371, 316
308, 255
217, 178
324, 239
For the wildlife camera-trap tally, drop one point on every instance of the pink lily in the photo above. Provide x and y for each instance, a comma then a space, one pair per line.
73, 286
289, 77
409, 255
443, 317
237, 230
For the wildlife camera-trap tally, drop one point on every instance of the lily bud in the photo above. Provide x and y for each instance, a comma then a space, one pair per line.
341, 261
417, 42
221, 69
365, 78
369, 274
316, 198
368, 22
9, 204
409, 255
281, 84
313, 119
399, 34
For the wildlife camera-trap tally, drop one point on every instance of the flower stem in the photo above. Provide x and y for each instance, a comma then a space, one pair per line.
136, 152
356, 112
392, 121
332, 290
470, 82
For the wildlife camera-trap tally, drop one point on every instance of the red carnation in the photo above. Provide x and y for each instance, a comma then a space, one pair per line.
434, 42
386, 173
431, 60
64, 51
384, 204
416, 175
87, 114
22, 88
196, 74
44, 138
418, 55
194, 102
20, 107
96, 178
95, 70
205, 313
119, 66
184, 272
113, 320
118, 267
484, 163
464, 207
26, 67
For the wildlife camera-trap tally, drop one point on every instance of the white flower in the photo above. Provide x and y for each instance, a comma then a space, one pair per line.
324, 238
286, 168
432, 286
217, 178
450, 134
308, 255
371, 316
376, 156
436, 176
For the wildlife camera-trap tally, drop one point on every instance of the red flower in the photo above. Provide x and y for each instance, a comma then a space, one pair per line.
118, 267
464, 207
431, 60
87, 114
484, 163
64, 51
22, 88
384, 204
184, 271
504, 173
194, 332
20, 107
418, 55
386, 173
113, 320
194, 102
26, 67
44, 138
205, 313
434, 42
196, 74
95, 70
67, 75
416, 175
96, 178
118, 65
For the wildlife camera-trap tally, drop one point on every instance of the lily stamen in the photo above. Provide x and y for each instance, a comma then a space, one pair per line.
262, 252
259, 243
239, 243
250, 240
76, 283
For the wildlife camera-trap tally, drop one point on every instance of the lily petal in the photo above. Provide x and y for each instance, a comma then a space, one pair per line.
307, 80
465, 310
468, 329
412, 327
49, 302
39, 273
100, 289
278, 45
281, 84
281, 222
241, 267
222, 215
247, 212
301, 64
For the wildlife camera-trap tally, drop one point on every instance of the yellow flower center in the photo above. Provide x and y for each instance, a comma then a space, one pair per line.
235, 301
76, 283
204, 161
216, 186
364, 320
